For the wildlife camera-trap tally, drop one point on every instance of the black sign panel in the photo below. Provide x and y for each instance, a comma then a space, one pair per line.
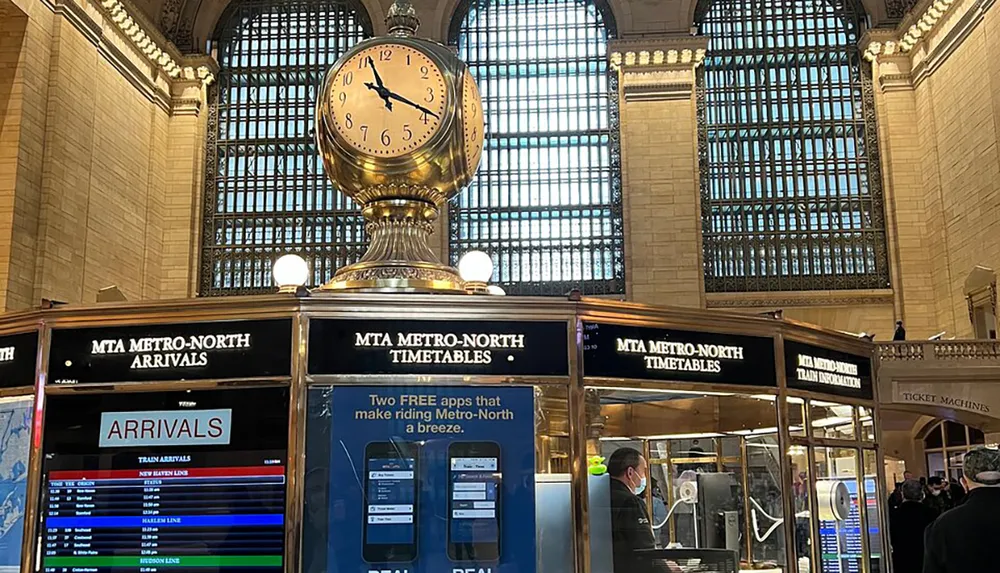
819, 369
622, 351
438, 347
18, 353
192, 351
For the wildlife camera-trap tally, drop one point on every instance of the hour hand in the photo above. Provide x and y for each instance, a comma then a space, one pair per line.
382, 93
402, 99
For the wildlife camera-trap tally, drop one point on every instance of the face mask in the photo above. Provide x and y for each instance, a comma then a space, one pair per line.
935, 492
642, 486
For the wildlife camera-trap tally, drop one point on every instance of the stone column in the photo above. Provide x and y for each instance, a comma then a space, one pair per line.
659, 134
916, 236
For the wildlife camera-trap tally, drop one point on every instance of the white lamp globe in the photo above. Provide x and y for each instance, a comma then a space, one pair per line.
475, 266
290, 272
495, 290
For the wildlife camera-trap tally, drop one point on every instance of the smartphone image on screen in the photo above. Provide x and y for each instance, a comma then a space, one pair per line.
474, 485
390, 508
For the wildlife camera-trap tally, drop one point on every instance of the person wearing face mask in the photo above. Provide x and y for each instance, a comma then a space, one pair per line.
631, 530
964, 540
938, 498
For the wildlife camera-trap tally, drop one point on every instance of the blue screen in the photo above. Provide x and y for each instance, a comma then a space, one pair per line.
391, 494
474, 486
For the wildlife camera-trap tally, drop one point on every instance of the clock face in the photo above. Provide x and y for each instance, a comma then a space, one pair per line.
387, 100
472, 126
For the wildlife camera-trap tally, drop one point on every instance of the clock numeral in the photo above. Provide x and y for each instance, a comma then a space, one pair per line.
343, 98
475, 132
425, 118
364, 133
424, 73
384, 55
385, 138
362, 62
348, 121
407, 133
407, 59
430, 95
348, 78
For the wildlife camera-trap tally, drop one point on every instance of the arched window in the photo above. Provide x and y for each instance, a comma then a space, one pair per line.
945, 445
265, 191
546, 202
791, 185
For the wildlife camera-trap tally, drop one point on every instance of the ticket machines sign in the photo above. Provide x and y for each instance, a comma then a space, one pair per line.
190, 351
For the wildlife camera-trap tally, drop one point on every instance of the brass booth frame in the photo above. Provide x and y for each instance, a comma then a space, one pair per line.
459, 308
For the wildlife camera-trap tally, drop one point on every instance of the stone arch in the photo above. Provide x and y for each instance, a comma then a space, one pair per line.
190, 24
617, 15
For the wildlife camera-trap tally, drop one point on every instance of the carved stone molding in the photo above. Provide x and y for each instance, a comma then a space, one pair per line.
666, 52
801, 299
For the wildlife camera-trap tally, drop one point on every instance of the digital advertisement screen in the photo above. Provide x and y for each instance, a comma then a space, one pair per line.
391, 500
167, 481
475, 483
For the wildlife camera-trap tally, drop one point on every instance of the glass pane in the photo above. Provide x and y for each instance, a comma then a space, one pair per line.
934, 438
955, 434
546, 201
796, 416
867, 421
873, 499
265, 190
935, 464
788, 199
837, 500
396, 474
831, 420
801, 481
713, 477
976, 437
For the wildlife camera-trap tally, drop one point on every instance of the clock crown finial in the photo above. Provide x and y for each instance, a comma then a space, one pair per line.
402, 19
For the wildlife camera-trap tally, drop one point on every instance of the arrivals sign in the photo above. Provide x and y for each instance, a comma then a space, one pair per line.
819, 369
165, 428
644, 353
18, 353
200, 350
486, 347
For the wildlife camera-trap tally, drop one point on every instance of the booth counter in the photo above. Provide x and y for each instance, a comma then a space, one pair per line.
431, 433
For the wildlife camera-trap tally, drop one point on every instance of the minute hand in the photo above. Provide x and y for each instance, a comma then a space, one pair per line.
410, 103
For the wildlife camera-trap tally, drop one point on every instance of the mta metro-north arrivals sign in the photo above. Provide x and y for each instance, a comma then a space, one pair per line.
191, 351
18, 353
644, 353
818, 369
485, 347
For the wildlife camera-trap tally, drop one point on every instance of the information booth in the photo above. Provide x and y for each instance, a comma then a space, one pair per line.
432, 434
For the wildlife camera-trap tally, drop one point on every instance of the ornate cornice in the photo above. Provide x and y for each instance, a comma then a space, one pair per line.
136, 49
658, 52
910, 33
798, 299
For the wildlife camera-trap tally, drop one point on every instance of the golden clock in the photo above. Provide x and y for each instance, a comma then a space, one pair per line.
399, 125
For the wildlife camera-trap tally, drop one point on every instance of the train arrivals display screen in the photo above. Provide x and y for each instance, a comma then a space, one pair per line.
165, 482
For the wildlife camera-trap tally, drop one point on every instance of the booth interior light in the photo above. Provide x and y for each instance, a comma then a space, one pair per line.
831, 421
665, 391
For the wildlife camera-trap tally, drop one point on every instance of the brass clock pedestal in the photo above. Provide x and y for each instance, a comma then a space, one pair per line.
398, 257
399, 125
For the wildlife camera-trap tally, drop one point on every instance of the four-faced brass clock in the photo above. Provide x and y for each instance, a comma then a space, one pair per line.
399, 125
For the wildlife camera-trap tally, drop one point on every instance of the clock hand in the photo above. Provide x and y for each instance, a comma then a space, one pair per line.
382, 93
400, 98
378, 78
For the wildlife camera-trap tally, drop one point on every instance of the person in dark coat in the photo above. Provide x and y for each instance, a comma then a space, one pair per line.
906, 528
964, 540
631, 530
900, 333
938, 497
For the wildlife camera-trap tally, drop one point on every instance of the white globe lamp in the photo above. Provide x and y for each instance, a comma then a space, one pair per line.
495, 290
290, 273
475, 268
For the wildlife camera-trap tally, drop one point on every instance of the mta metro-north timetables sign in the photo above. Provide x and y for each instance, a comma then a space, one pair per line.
167, 481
